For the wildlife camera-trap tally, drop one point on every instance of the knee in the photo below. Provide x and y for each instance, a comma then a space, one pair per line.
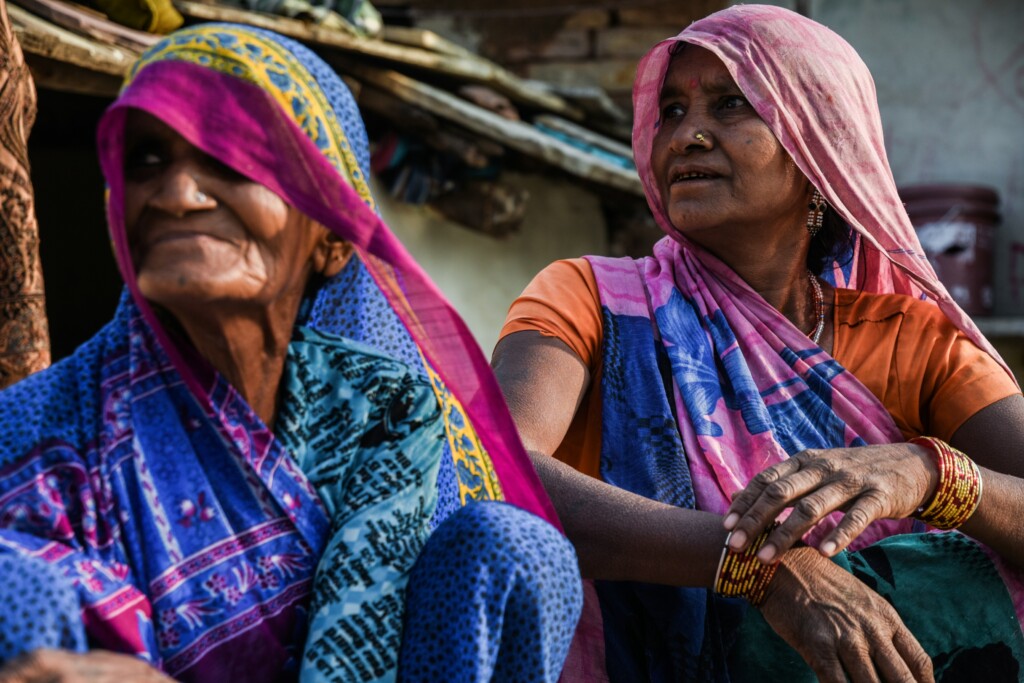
503, 540
42, 607
517, 534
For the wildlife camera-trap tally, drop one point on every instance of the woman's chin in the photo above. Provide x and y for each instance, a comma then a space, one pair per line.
183, 289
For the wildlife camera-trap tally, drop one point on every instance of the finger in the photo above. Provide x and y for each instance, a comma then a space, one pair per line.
742, 500
804, 492
827, 670
890, 664
866, 509
27, 667
100, 666
917, 660
857, 660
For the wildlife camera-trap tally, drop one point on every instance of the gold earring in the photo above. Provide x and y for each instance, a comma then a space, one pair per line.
817, 206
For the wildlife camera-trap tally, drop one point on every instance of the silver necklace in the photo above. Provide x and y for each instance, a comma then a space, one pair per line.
819, 307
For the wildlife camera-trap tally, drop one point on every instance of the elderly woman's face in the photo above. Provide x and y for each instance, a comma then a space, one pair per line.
200, 233
738, 175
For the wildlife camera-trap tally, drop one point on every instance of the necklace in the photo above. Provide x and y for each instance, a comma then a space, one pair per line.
819, 307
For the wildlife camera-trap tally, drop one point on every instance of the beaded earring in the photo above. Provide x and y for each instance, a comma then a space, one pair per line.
817, 208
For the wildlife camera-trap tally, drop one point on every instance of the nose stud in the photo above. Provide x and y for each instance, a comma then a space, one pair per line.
700, 136
200, 196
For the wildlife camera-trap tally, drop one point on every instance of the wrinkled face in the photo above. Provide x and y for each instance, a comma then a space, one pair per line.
200, 233
738, 182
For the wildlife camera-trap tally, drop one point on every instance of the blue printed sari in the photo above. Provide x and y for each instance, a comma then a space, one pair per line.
145, 508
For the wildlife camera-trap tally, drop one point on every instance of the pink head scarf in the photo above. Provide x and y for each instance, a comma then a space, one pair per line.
816, 95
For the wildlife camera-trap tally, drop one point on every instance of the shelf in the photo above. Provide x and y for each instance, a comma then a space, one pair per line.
1008, 326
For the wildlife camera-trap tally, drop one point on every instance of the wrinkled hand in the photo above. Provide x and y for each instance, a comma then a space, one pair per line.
868, 483
58, 666
839, 626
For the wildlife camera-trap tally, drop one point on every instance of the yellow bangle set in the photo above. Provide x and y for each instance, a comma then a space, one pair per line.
742, 575
959, 491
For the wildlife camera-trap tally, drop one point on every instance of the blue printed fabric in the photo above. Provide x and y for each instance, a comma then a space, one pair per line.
173, 523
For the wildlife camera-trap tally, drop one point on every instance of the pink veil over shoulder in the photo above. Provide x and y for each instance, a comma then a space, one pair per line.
818, 97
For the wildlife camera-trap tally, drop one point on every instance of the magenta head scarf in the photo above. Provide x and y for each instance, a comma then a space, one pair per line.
817, 96
244, 98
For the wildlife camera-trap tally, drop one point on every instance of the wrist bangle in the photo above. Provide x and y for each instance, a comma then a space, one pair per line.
959, 490
721, 559
742, 575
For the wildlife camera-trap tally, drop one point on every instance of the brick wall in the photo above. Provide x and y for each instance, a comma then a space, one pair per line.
567, 42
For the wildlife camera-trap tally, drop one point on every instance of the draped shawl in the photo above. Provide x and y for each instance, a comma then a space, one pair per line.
188, 530
704, 383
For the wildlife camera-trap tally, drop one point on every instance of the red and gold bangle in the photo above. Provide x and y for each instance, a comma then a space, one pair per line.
959, 490
742, 575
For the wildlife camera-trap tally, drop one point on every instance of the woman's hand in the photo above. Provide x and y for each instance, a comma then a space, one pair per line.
839, 626
868, 483
58, 666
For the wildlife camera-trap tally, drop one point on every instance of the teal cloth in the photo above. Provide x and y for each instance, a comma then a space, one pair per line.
946, 590
367, 431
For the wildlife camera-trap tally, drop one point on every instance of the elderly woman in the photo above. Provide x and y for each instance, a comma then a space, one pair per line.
786, 353
270, 460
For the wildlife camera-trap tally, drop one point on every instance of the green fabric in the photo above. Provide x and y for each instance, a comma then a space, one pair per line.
155, 16
947, 592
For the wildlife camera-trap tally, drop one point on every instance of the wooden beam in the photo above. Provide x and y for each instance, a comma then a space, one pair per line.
55, 75
516, 135
425, 40
40, 37
467, 67
586, 135
86, 22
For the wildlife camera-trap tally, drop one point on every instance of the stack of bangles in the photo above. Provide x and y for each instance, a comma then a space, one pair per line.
741, 574
959, 491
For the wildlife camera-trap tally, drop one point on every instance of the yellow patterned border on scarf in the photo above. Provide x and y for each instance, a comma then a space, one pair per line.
473, 467
270, 66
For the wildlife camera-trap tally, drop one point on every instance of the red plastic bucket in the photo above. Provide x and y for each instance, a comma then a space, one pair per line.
956, 225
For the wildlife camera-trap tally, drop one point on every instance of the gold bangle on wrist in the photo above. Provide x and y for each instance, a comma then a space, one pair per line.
960, 485
742, 575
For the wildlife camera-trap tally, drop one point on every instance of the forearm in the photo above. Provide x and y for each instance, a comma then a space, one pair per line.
24, 338
994, 438
619, 535
999, 520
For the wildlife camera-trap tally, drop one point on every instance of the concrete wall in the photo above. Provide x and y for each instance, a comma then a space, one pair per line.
481, 275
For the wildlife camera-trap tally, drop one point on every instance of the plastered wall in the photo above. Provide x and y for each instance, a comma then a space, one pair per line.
481, 275
950, 81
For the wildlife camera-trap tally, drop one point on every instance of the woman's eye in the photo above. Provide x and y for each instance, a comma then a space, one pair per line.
732, 102
221, 170
671, 111
142, 158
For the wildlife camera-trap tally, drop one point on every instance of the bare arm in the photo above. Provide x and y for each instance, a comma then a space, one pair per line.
618, 535
994, 437
841, 628
891, 481
98, 666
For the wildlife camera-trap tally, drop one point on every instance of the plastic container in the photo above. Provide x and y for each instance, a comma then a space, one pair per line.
956, 225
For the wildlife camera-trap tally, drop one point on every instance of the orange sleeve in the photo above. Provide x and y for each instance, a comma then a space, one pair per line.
562, 301
955, 379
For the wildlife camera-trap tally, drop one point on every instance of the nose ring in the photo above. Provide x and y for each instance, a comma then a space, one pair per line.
200, 196
700, 137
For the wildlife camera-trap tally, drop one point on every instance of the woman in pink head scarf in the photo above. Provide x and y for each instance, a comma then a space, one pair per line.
782, 407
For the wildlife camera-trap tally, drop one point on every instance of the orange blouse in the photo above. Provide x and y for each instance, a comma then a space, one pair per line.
928, 375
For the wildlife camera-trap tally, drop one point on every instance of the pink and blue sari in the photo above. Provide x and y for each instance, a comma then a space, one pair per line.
705, 384
146, 509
